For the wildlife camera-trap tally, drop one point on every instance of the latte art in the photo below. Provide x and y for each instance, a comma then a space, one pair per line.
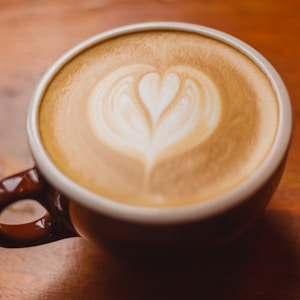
159, 118
141, 112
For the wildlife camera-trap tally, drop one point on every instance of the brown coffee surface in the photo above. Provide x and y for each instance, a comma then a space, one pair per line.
160, 118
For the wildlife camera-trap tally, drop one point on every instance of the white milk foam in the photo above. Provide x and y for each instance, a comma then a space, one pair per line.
137, 110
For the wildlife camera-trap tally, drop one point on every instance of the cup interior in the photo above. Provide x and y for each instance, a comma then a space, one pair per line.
175, 214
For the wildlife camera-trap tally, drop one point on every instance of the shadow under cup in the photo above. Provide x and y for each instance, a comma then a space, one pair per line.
131, 229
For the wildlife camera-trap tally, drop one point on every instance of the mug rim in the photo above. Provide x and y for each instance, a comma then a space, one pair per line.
165, 215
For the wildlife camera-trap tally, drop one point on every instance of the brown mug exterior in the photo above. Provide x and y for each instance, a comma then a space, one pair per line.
68, 218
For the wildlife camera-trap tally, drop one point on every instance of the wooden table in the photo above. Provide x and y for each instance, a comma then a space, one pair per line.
263, 264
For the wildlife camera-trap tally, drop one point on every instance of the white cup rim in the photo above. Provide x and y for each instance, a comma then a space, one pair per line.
170, 215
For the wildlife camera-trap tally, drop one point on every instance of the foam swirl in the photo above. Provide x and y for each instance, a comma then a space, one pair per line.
143, 113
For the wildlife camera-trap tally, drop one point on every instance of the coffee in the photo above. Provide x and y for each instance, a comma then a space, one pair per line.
159, 118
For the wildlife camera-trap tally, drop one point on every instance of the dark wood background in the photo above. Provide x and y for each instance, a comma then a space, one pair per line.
263, 264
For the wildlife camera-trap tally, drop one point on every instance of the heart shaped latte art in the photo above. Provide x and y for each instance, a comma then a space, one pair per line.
142, 113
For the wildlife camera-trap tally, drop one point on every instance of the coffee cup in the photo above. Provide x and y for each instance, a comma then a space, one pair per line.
152, 137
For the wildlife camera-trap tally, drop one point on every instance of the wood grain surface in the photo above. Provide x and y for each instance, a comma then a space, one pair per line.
263, 264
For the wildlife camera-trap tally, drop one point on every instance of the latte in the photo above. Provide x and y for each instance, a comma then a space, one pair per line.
159, 118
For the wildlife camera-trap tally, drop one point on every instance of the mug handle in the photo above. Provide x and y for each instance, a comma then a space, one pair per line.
54, 225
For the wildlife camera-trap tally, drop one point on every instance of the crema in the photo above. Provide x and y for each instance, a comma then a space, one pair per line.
159, 118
